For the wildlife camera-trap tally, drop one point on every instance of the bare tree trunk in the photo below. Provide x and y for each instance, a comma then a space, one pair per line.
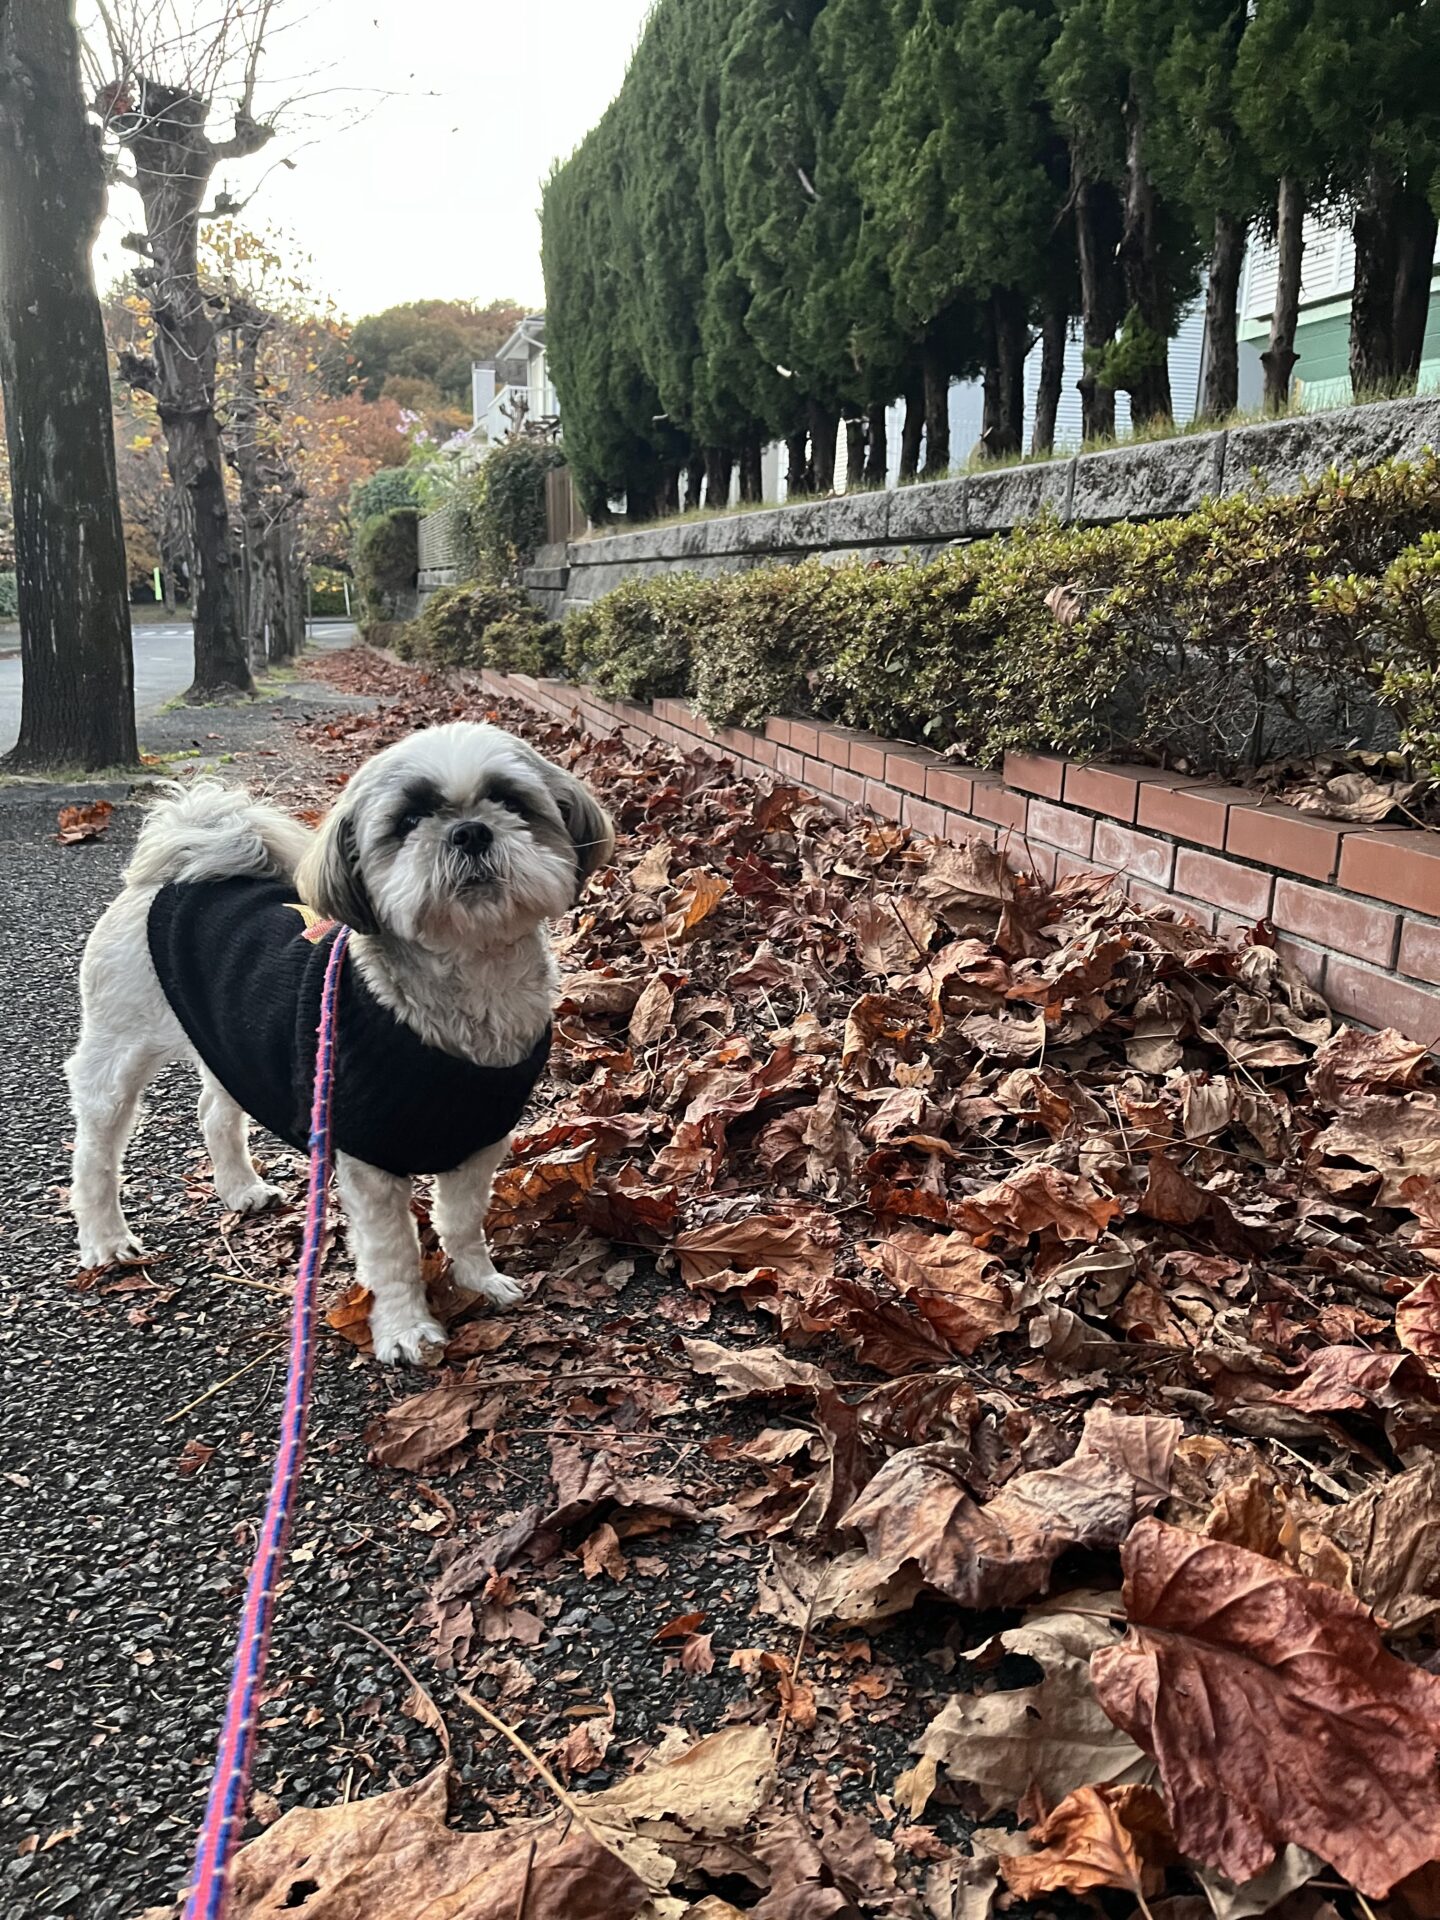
719, 469
1222, 319
854, 453
1099, 303
694, 480
752, 476
1372, 304
877, 456
1145, 294
1280, 356
824, 441
163, 129
797, 465
77, 694
937, 411
913, 431
1004, 430
1054, 336
1414, 274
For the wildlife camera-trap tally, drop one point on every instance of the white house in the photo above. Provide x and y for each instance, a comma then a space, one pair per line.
515, 386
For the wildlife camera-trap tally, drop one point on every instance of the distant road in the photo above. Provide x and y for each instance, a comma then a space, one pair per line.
164, 666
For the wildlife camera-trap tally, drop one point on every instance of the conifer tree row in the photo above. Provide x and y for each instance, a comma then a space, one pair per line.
798, 211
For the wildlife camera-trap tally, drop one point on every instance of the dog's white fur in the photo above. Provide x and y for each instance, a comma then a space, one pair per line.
454, 944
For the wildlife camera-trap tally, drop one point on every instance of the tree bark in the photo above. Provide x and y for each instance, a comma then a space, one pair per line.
877, 450
1414, 273
1004, 428
694, 480
797, 465
1054, 336
670, 489
824, 441
913, 430
719, 468
1372, 304
752, 478
77, 692
1222, 319
270, 498
164, 132
937, 411
1280, 356
1099, 304
1145, 294
854, 453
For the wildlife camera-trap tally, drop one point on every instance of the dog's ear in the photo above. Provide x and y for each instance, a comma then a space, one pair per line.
329, 877
592, 833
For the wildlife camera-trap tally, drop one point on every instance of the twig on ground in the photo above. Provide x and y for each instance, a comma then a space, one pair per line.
219, 1386
423, 1691
794, 1675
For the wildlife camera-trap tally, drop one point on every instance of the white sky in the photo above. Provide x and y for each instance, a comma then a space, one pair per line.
437, 192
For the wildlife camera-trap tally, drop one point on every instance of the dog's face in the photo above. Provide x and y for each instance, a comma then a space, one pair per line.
462, 836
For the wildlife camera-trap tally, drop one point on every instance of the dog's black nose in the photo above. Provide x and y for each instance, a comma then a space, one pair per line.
470, 836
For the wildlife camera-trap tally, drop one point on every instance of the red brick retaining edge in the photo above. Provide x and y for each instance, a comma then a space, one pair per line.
1356, 908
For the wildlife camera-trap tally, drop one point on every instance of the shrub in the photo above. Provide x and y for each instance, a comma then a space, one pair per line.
9, 596
636, 643
387, 558
1247, 629
484, 624
385, 490
504, 507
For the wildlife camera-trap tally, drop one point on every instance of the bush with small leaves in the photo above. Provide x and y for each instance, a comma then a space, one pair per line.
456, 626
387, 559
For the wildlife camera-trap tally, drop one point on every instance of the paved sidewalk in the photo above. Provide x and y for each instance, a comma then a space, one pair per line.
164, 666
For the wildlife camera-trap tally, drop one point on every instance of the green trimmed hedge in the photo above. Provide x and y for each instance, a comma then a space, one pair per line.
484, 624
387, 560
1246, 629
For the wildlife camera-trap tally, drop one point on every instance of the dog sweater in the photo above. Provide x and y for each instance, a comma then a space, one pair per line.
242, 968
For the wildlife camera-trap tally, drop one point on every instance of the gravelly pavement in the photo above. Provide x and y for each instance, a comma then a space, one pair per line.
119, 1575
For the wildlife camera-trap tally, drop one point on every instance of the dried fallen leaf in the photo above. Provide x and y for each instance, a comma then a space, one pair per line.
1310, 1731
83, 822
1096, 1837
958, 1287
392, 1856
1035, 1199
419, 1432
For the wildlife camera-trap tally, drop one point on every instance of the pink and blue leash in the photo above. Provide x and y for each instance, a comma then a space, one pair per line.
225, 1808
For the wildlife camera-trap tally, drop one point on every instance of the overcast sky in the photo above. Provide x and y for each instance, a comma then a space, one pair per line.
437, 192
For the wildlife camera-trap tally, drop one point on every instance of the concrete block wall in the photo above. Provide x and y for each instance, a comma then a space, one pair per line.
1145, 481
1356, 908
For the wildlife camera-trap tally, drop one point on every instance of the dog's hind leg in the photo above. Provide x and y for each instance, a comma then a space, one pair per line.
462, 1199
386, 1246
106, 1083
226, 1129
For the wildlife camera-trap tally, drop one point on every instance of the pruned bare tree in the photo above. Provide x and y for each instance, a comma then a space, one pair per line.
78, 703
166, 84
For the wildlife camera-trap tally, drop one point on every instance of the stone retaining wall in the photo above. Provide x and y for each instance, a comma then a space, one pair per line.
1356, 908
1139, 482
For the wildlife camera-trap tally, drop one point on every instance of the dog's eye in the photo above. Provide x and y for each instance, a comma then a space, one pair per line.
512, 803
406, 824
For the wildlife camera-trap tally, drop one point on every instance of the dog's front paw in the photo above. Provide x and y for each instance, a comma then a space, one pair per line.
117, 1249
412, 1343
498, 1288
252, 1199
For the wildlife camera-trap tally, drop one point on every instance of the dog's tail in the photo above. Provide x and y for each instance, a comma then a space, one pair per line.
208, 831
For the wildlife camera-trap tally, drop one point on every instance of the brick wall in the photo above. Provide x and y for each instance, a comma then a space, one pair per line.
1356, 908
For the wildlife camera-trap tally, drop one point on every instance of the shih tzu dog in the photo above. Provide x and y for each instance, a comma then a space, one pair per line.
446, 854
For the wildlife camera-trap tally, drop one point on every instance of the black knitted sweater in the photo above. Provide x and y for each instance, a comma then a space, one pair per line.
243, 977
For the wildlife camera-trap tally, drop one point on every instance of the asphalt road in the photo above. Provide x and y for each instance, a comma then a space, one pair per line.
164, 666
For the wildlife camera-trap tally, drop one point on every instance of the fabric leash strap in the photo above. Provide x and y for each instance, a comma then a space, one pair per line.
225, 1808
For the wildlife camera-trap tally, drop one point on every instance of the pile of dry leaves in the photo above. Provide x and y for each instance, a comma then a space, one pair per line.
1075, 1291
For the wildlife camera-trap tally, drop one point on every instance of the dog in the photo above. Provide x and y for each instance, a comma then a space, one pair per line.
447, 854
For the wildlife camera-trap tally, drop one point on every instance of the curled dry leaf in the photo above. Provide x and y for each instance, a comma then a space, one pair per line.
1392, 1539
917, 1509
1047, 1739
756, 1370
419, 1432
1311, 1731
83, 822
1096, 1837
1036, 1199
761, 1240
1352, 1061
